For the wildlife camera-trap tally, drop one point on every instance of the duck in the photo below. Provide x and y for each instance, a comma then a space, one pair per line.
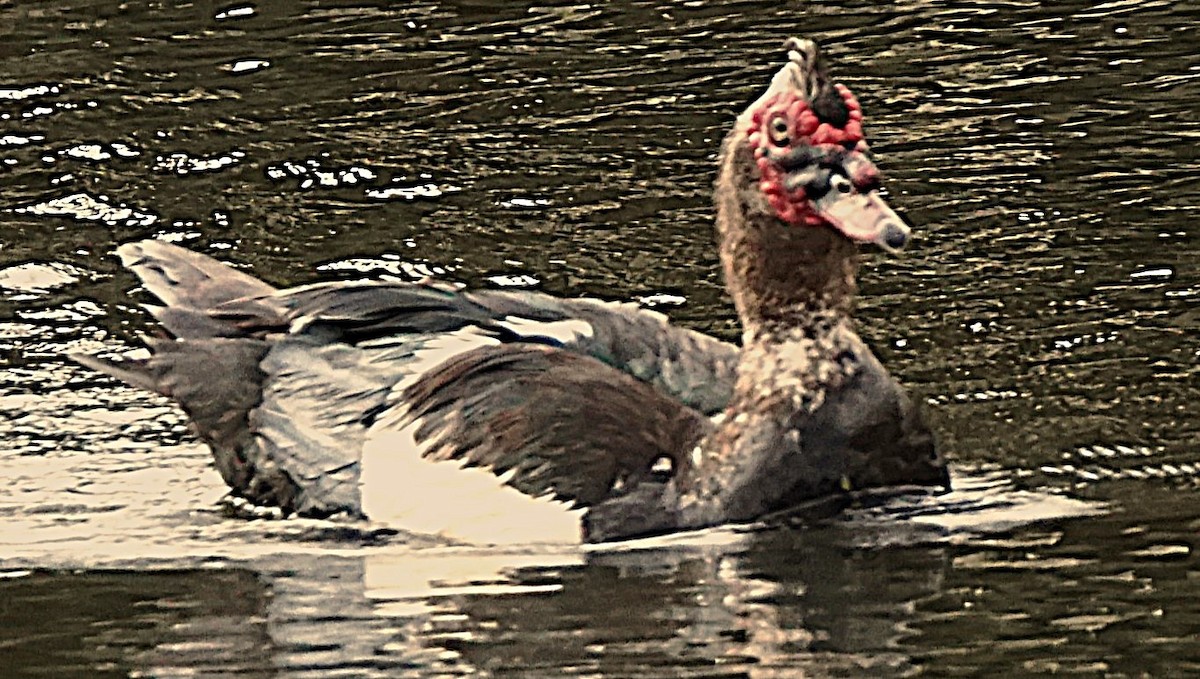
631, 425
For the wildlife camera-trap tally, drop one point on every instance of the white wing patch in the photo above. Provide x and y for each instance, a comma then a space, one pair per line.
401, 488
563, 332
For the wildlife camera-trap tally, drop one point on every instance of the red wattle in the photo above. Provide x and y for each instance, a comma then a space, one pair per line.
808, 123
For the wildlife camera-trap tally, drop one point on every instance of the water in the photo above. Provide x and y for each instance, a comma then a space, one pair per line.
1047, 312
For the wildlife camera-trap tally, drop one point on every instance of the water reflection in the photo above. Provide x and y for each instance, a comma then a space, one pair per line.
698, 611
769, 604
131, 624
1057, 596
783, 605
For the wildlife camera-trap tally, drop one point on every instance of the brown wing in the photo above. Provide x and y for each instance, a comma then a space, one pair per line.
554, 421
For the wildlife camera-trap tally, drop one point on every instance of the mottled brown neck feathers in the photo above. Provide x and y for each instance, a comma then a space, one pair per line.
779, 274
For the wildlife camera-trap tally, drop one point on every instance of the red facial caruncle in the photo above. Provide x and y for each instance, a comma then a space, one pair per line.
786, 123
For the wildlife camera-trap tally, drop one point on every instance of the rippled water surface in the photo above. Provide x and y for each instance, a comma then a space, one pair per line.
1049, 312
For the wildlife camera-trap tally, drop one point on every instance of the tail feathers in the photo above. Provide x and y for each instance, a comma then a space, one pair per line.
189, 284
135, 373
217, 381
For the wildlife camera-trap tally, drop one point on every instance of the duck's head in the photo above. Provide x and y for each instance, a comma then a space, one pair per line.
814, 166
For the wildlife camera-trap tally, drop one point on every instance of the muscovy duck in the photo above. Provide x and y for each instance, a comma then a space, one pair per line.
642, 427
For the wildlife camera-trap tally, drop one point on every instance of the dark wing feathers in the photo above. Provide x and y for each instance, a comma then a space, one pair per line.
686, 365
352, 312
284, 384
206, 298
537, 412
694, 368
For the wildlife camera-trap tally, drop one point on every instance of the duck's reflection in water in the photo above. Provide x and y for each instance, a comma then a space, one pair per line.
774, 604
303, 598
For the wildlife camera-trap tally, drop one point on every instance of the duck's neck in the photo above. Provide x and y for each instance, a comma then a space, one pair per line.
780, 275
793, 286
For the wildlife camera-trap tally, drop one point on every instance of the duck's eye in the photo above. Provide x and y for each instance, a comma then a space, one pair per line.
778, 129
840, 184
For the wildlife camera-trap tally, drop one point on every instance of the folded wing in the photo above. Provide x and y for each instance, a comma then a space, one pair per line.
552, 422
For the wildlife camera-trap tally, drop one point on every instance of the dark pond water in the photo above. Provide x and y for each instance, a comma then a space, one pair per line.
1049, 312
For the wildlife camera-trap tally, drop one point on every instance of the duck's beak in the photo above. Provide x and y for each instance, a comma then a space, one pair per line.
863, 217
